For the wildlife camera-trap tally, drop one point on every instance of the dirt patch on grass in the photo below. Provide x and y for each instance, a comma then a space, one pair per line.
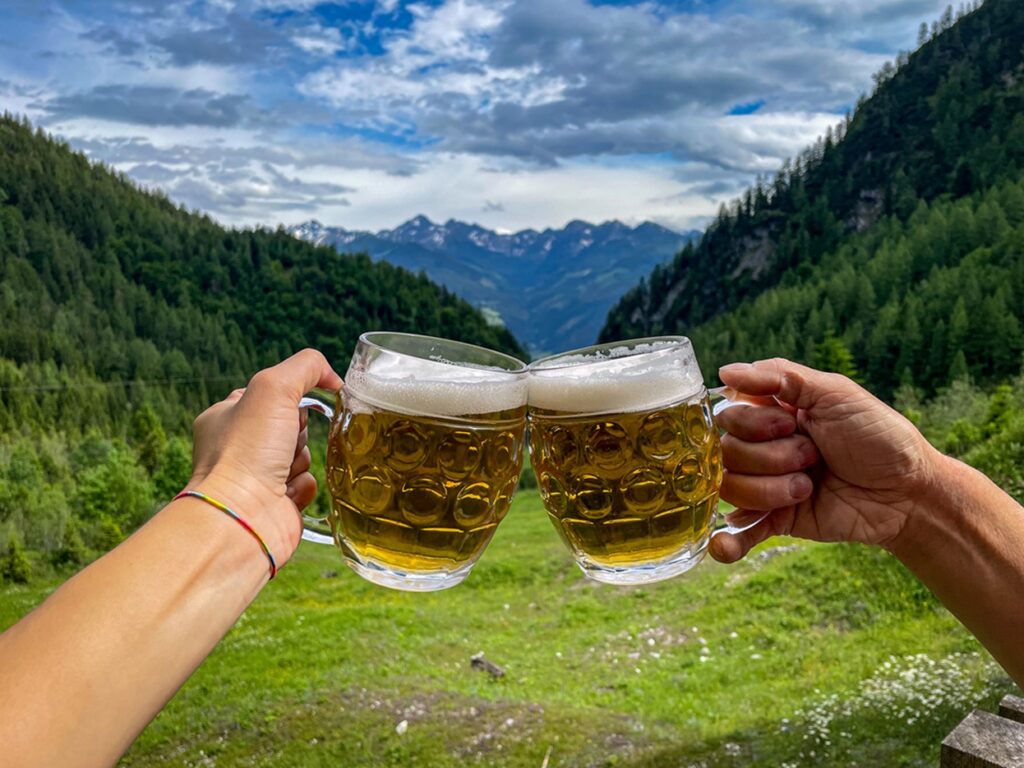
467, 729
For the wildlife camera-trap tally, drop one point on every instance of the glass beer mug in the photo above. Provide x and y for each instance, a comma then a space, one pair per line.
423, 457
628, 457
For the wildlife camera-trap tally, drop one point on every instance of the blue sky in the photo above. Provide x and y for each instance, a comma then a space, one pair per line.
510, 113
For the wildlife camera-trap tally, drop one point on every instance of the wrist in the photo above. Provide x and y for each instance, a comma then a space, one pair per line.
271, 515
932, 509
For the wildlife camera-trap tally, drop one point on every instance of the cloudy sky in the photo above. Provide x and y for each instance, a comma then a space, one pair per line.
512, 114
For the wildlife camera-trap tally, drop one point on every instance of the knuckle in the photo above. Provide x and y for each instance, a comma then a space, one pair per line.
315, 355
774, 363
837, 380
266, 379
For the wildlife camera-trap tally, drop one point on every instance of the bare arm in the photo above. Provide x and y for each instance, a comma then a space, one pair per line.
965, 541
833, 463
84, 673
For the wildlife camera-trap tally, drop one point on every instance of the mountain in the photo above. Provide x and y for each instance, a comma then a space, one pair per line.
551, 288
101, 281
893, 244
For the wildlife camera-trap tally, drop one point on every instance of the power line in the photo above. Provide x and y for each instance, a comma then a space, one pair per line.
119, 383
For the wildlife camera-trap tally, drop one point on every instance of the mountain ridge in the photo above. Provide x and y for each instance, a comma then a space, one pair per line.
945, 120
551, 287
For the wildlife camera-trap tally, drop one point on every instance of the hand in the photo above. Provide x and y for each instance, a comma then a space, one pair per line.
250, 449
829, 460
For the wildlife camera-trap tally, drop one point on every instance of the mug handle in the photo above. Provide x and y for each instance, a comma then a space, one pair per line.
316, 529
725, 402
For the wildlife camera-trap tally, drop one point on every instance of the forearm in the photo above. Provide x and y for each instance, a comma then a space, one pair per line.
966, 543
83, 674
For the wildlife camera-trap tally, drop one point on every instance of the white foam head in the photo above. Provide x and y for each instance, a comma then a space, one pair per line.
616, 379
436, 387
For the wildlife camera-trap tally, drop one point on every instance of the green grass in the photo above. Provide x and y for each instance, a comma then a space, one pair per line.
323, 666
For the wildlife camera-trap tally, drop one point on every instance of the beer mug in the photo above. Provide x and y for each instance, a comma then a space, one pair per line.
423, 457
628, 457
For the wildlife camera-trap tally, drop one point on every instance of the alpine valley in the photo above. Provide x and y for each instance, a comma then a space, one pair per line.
552, 289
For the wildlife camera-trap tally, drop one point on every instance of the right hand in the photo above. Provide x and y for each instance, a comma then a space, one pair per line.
827, 459
250, 449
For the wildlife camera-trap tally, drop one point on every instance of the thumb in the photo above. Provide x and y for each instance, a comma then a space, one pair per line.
730, 547
297, 375
789, 382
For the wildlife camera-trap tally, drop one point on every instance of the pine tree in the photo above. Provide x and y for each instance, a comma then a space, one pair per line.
833, 355
958, 368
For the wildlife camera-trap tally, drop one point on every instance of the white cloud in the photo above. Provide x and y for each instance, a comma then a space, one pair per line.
322, 41
444, 53
513, 113
471, 188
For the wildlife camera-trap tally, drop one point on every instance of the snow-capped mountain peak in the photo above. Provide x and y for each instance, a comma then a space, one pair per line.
553, 288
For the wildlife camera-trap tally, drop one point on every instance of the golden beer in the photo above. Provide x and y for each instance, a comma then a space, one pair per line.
628, 459
418, 494
423, 457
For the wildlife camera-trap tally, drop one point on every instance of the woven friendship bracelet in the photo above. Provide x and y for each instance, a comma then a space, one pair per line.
238, 519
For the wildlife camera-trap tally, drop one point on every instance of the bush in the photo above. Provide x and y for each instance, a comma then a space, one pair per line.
15, 565
108, 535
72, 550
117, 487
174, 470
528, 479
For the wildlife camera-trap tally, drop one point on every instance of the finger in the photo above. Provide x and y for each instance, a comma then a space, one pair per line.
301, 464
765, 492
776, 457
301, 442
235, 395
297, 375
791, 382
757, 423
730, 547
302, 490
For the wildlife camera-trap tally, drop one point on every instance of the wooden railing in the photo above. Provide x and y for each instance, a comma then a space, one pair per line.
984, 740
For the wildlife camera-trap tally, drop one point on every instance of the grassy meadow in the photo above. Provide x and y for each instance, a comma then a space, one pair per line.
801, 655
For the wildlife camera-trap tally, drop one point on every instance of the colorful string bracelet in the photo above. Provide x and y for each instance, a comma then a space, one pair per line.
238, 519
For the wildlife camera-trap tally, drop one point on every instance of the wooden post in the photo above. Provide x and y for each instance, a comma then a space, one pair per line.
1012, 707
984, 740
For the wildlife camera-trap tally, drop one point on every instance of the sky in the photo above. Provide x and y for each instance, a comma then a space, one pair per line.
509, 113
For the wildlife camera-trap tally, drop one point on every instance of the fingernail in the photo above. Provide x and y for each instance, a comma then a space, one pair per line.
735, 367
800, 487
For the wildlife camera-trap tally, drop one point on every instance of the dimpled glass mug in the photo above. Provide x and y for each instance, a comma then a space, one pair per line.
423, 457
628, 457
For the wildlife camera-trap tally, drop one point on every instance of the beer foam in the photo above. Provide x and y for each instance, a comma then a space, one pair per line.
622, 379
436, 387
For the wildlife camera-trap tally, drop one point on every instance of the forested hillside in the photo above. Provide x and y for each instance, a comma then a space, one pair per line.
893, 244
923, 303
122, 315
